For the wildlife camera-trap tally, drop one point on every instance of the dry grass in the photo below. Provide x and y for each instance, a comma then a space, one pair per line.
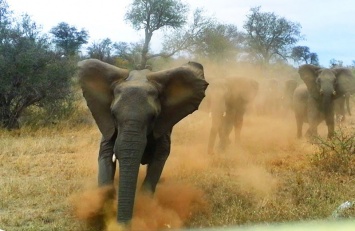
48, 179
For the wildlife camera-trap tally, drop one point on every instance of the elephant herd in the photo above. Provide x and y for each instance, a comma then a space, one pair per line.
136, 110
322, 97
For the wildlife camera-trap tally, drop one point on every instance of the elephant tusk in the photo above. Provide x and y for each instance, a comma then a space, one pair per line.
114, 158
224, 114
334, 92
321, 91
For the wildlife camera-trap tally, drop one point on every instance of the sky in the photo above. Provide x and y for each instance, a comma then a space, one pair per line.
328, 26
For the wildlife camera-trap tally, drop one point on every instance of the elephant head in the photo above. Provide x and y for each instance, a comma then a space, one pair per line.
324, 85
132, 105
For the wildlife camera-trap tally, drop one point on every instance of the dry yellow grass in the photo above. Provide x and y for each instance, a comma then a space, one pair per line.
48, 179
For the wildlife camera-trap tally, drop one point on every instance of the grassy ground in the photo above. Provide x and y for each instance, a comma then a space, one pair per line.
48, 179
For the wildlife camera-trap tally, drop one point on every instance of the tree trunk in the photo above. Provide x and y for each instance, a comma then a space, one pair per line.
148, 37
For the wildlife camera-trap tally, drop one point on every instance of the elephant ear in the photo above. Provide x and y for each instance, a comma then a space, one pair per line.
309, 74
96, 79
345, 81
182, 90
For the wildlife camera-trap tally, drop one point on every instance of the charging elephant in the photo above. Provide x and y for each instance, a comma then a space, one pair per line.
135, 112
315, 102
227, 101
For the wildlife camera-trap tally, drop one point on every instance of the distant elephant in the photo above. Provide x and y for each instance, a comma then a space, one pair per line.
228, 99
269, 99
339, 107
287, 98
135, 112
315, 102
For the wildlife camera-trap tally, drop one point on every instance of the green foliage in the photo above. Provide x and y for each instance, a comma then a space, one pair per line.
219, 42
152, 15
32, 74
336, 154
101, 50
68, 39
303, 54
269, 36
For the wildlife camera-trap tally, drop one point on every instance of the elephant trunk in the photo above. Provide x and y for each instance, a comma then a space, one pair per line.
129, 148
327, 103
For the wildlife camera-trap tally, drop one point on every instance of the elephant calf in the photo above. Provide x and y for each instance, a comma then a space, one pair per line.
227, 99
314, 102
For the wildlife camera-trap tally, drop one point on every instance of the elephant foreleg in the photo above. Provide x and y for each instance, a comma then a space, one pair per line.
212, 139
329, 119
238, 123
299, 121
107, 167
226, 129
314, 117
156, 165
313, 128
347, 99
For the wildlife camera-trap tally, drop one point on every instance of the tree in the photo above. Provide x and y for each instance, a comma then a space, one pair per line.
270, 37
68, 39
101, 50
129, 54
219, 42
303, 54
31, 74
189, 37
5, 14
335, 63
152, 15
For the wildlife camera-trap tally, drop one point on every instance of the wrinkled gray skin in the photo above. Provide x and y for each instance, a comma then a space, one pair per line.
227, 99
314, 102
339, 107
135, 112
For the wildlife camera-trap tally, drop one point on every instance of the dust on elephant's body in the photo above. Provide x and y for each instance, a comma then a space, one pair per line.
314, 102
227, 100
135, 111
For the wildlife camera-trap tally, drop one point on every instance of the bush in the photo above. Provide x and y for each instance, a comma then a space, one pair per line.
336, 154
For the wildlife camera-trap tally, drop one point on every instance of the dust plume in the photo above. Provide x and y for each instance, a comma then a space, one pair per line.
195, 182
172, 205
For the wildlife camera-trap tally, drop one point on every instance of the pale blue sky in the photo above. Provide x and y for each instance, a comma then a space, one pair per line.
328, 25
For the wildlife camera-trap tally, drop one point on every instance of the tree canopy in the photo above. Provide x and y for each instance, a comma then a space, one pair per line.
303, 54
270, 37
68, 39
151, 15
31, 73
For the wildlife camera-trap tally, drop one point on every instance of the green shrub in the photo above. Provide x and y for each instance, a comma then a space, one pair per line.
336, 154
